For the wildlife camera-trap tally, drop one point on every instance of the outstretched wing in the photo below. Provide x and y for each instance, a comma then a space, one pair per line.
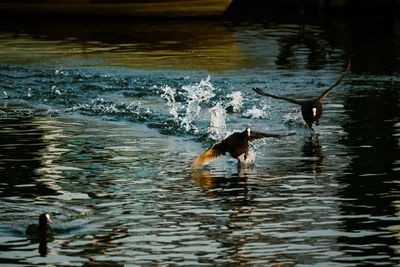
327, 91
210, 154
261, 92
258, 135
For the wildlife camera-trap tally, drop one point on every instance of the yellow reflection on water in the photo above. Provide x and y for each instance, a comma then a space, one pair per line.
180, 45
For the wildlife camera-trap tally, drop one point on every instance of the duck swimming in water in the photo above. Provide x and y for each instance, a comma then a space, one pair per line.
235, 144
40, 229
311, 109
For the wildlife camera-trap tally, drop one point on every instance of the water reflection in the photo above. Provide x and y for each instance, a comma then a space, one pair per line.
232, 194
232, 187
21, 156
264, 213
294, 48
313, 154
371, 183
372, 41
141, 44
42, 242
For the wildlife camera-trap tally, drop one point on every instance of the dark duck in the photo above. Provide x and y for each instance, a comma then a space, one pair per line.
236, 144
311, 109
41, 229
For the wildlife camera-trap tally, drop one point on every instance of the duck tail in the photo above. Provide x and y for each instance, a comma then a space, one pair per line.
205, 157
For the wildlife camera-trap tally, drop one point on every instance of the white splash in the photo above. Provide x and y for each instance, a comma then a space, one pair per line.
55, 90
293, 116
217, 128
169, 95
136, 108
60, 71
201, 92
6, 95
236, 100
195, 95
192, 112
256, 113
100, 106
251, 157
51, 111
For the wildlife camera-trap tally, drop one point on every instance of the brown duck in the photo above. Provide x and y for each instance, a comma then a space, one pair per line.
311, 109
236, 144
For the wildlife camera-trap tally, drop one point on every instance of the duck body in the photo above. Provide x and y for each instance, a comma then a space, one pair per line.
41, 229
311, 111
235, 144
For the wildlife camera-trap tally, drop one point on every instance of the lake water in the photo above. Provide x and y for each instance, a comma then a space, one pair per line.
100, 122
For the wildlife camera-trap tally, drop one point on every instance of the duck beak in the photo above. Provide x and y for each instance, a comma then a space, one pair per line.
48, 218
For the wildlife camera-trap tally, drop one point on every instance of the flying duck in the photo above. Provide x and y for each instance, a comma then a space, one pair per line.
311, 109
235, 144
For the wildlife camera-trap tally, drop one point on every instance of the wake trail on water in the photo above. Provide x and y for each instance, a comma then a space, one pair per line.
208, 108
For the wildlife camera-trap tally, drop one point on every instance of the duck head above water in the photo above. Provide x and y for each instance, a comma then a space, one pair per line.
42, 227
44, 220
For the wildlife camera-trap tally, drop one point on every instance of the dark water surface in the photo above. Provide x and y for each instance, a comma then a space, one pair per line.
99, 122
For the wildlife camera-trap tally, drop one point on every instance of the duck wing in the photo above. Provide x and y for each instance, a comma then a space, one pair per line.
261, 92
327, 91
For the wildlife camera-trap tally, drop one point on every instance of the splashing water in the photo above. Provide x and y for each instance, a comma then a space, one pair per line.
217, 128
169, 94
256, 113
250, 159
29, 94
236, 101
6, 95
100, 106
293, 116
201, 92
194, 96
60, 71
192, 112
